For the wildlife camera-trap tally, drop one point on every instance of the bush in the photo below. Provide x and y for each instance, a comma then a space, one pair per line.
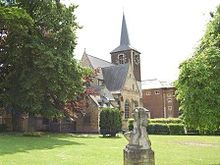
176, 129
110, 121
166, 120
165, 129
3, 127
158, 128
130, 124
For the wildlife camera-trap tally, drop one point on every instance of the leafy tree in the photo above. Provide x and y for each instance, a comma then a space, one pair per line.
110, 121
198, 86
38, 73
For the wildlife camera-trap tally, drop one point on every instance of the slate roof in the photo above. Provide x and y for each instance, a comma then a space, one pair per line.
103, 92
97, 62
155, 84
115, 76
124, 41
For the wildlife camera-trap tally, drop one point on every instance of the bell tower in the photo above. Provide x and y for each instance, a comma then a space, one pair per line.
125, 53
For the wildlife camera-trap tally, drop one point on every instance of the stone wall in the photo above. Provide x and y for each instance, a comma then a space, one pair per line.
132, 94
89, 123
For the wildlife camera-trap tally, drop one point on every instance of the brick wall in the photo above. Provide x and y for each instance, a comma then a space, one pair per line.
161, 102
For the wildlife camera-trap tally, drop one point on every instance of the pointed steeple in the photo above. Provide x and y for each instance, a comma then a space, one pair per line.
124, 33
124, 41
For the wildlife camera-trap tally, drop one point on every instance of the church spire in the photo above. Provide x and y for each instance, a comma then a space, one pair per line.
124, 41
124, 33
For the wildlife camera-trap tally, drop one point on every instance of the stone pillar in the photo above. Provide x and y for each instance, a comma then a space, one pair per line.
138, 151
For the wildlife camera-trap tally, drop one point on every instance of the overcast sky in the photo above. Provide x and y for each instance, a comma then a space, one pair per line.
166, 32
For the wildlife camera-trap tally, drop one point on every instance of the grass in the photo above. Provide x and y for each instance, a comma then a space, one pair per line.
69, 149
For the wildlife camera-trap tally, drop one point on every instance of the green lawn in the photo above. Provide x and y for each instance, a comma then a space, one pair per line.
55, 149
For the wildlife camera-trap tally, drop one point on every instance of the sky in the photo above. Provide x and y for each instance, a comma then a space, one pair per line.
166, 32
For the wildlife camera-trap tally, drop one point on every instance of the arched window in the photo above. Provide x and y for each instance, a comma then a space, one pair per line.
127, 107
121, 59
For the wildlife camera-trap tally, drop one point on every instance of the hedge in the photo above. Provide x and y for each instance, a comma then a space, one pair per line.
176, 129
158, 128
130, 124
166, 120
165, 129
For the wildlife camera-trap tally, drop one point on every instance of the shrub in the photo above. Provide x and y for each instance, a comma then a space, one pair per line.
130, 124
158, 128
3, 127
110, 121
165, 129
176, 129
166, 120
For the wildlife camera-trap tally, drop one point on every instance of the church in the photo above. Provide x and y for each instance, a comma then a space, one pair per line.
118, 83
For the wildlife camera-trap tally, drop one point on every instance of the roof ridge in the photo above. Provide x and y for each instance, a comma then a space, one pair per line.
99, 59
119, 65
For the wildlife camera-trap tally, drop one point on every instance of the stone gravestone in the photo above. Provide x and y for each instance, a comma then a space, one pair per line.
138, 151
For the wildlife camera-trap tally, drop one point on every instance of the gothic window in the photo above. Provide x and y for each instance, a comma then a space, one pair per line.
126, 109
121, 59
136, 59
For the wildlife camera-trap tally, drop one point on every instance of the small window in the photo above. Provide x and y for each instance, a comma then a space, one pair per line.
169, 95
170, 108
157, 92
148, 93
121, 59
169, 100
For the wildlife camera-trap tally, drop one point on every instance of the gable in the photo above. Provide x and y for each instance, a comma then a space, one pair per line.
94, 62
131, 83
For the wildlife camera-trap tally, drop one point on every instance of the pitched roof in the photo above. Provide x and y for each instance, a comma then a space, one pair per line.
115, 76
155, 84
124, 42
97, 62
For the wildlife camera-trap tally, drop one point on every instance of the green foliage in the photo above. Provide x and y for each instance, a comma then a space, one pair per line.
3, 127
158, 128
166, 129
130, 124
110, 121
38, 73
198, 86
166, 120
176, 129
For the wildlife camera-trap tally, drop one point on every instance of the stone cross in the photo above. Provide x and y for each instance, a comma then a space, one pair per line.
138, 151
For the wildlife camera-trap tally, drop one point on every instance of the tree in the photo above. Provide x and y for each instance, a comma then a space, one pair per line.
198, 85
38, 74
110, 121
